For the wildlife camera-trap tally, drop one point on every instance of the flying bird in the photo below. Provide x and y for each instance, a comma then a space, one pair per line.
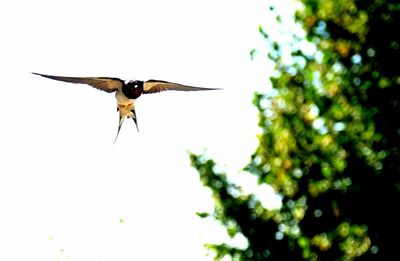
126, 92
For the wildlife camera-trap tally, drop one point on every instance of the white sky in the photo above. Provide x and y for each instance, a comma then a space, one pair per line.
64, 186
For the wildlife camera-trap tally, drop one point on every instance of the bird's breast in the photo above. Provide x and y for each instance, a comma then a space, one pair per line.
122, 99
126, 109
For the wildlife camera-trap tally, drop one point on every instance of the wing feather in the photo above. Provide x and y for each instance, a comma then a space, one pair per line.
102, 83
153, 86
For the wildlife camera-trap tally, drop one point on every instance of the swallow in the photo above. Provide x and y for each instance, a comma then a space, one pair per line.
126, 92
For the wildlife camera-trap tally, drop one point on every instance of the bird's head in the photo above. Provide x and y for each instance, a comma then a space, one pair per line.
133, 89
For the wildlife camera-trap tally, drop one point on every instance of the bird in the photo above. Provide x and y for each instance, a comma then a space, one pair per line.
126, 92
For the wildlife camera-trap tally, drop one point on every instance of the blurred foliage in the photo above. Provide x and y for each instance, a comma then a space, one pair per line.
329, 144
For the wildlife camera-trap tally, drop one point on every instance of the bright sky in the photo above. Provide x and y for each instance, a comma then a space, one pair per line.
68, 193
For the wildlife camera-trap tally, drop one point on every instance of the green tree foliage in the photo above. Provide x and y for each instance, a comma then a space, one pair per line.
330, 142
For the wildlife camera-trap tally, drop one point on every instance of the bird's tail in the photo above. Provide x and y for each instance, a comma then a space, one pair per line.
126, 111
121, 120
134, 118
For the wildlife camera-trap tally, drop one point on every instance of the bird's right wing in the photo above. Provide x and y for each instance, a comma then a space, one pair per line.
153, 86
101, 83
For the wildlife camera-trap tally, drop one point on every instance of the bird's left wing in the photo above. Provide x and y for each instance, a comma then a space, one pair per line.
153, 86
101, 83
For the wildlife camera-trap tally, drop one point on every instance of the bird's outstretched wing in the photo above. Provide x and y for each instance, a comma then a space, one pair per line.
101, 83
153, 86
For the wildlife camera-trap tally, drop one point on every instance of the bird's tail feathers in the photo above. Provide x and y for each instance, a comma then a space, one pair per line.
134, 118
121, 120
126, 111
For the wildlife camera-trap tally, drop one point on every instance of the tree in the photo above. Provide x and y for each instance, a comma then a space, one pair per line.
330, 141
